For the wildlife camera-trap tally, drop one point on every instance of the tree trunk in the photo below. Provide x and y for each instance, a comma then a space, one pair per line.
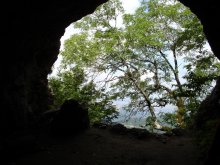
180, 112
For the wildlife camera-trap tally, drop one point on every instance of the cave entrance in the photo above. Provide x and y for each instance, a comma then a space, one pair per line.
152, 58
32, 30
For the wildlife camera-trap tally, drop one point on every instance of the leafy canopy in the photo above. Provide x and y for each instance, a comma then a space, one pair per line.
155, 57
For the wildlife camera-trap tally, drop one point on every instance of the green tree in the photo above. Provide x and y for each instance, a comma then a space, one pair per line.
106, 52
166, 32
143, 57
201, 76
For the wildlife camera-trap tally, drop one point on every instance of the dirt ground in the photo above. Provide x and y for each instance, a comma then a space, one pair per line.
102, 147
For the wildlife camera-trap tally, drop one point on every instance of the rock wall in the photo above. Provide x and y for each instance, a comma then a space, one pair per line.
31, 34
209, 111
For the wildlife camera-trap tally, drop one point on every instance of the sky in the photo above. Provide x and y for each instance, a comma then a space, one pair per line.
129, 5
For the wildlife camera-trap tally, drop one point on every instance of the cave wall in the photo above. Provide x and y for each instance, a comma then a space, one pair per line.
208, 118
32, 32
208, 12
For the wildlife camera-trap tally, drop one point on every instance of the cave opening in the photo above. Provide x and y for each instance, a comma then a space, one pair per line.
35, 49
203, 97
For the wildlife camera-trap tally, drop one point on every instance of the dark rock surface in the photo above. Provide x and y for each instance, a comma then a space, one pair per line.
71, 119
101, 147
31, 34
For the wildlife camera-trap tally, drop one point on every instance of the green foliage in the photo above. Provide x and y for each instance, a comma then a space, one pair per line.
71, 84
150, 123
192, 106
169, 119
201, 73
66, 85
142, 59
102, 111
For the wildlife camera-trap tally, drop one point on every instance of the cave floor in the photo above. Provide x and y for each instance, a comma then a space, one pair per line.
102, 147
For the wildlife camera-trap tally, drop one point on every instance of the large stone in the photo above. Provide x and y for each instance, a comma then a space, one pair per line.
71, 119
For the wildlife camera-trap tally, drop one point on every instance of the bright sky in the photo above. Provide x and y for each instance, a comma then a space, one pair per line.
129, 5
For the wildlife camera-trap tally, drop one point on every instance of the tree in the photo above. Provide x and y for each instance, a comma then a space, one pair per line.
167, 31
142, 57
107, 53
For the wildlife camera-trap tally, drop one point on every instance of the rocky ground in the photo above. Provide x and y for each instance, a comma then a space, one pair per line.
102, 146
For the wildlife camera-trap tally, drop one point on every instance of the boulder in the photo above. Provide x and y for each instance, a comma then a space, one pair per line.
71, 119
